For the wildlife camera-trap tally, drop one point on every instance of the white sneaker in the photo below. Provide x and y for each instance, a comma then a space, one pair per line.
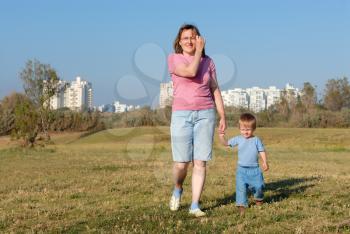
197, 212
174, 203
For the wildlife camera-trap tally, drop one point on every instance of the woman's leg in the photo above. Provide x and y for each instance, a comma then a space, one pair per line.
179, 173
198, 179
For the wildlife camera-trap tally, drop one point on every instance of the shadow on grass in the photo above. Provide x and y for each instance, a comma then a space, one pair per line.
222, 202
282, 189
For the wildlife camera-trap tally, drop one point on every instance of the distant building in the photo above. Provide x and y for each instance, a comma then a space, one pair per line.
120, 108
57, 101
235, 97
76, 95
166, 94
273, 95
106, 108
290, 92
257, 99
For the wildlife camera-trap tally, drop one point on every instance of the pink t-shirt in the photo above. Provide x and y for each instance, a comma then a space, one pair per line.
192, 93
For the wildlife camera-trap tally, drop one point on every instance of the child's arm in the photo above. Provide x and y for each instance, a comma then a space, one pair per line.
265, 165
222, 139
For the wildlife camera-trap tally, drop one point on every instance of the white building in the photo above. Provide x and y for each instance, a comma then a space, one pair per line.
57, 101
120, 108
235, 97
291, 92
257, 99
273, 95
76, 95
79, 95
166, 94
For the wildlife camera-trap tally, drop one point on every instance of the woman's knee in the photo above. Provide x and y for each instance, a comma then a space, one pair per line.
181, 166
199, 163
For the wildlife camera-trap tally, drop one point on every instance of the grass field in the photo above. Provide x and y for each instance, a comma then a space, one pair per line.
120, 181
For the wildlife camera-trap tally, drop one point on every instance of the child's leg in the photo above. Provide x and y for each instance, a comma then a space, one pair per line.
257, 185
241, 188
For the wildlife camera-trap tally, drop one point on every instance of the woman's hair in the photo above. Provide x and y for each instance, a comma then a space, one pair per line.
247, 119
177, 47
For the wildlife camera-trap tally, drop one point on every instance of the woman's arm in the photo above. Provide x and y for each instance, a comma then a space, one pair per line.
190, 70
214, 87
220, 109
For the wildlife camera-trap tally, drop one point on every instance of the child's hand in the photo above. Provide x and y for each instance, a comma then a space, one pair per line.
222, 139
265, 166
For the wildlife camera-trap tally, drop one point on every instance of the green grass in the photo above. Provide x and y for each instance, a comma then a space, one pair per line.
120, 181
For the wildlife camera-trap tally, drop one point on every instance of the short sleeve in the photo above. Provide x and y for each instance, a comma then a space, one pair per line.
259, 145
212, 69
233, 142
171, 66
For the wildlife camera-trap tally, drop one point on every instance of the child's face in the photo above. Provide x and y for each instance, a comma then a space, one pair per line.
246, 131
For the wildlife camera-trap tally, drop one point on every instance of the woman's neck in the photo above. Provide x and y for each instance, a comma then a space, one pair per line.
188, 54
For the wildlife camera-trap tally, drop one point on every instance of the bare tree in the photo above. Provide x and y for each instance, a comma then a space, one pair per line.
308, 97
337, 94
40, 83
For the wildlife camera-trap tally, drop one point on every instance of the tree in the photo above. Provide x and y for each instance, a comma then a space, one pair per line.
26, 122
40, 83
7, 111
337, 94
283, 107
308, 97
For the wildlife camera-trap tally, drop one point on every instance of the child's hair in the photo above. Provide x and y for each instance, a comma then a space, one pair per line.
247, 119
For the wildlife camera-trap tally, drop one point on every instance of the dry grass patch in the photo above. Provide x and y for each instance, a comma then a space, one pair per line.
120, 181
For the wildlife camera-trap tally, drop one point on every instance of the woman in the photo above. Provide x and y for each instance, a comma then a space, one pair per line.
196, 93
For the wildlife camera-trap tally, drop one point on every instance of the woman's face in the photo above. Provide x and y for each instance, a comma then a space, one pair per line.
188, 41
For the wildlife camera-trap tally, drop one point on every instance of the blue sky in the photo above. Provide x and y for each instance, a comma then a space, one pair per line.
120, 46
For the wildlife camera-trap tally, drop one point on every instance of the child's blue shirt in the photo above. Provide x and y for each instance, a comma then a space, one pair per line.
248, 150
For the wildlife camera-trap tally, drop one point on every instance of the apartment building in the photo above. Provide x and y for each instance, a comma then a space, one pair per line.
166, 94
273, 95
235, 97
256, 99
76, 95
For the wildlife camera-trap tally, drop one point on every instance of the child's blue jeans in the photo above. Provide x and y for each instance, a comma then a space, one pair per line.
249, 178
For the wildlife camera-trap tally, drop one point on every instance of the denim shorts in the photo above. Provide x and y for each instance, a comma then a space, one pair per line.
192, 133
249, 178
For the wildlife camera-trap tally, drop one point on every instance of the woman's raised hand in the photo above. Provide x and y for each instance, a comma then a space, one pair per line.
200, 43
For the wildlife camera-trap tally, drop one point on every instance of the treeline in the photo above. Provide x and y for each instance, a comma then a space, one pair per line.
17, 112
29, 117
141, 117
293, 110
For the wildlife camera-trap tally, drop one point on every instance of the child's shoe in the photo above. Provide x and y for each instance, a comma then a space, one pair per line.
259, 203
241, 210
